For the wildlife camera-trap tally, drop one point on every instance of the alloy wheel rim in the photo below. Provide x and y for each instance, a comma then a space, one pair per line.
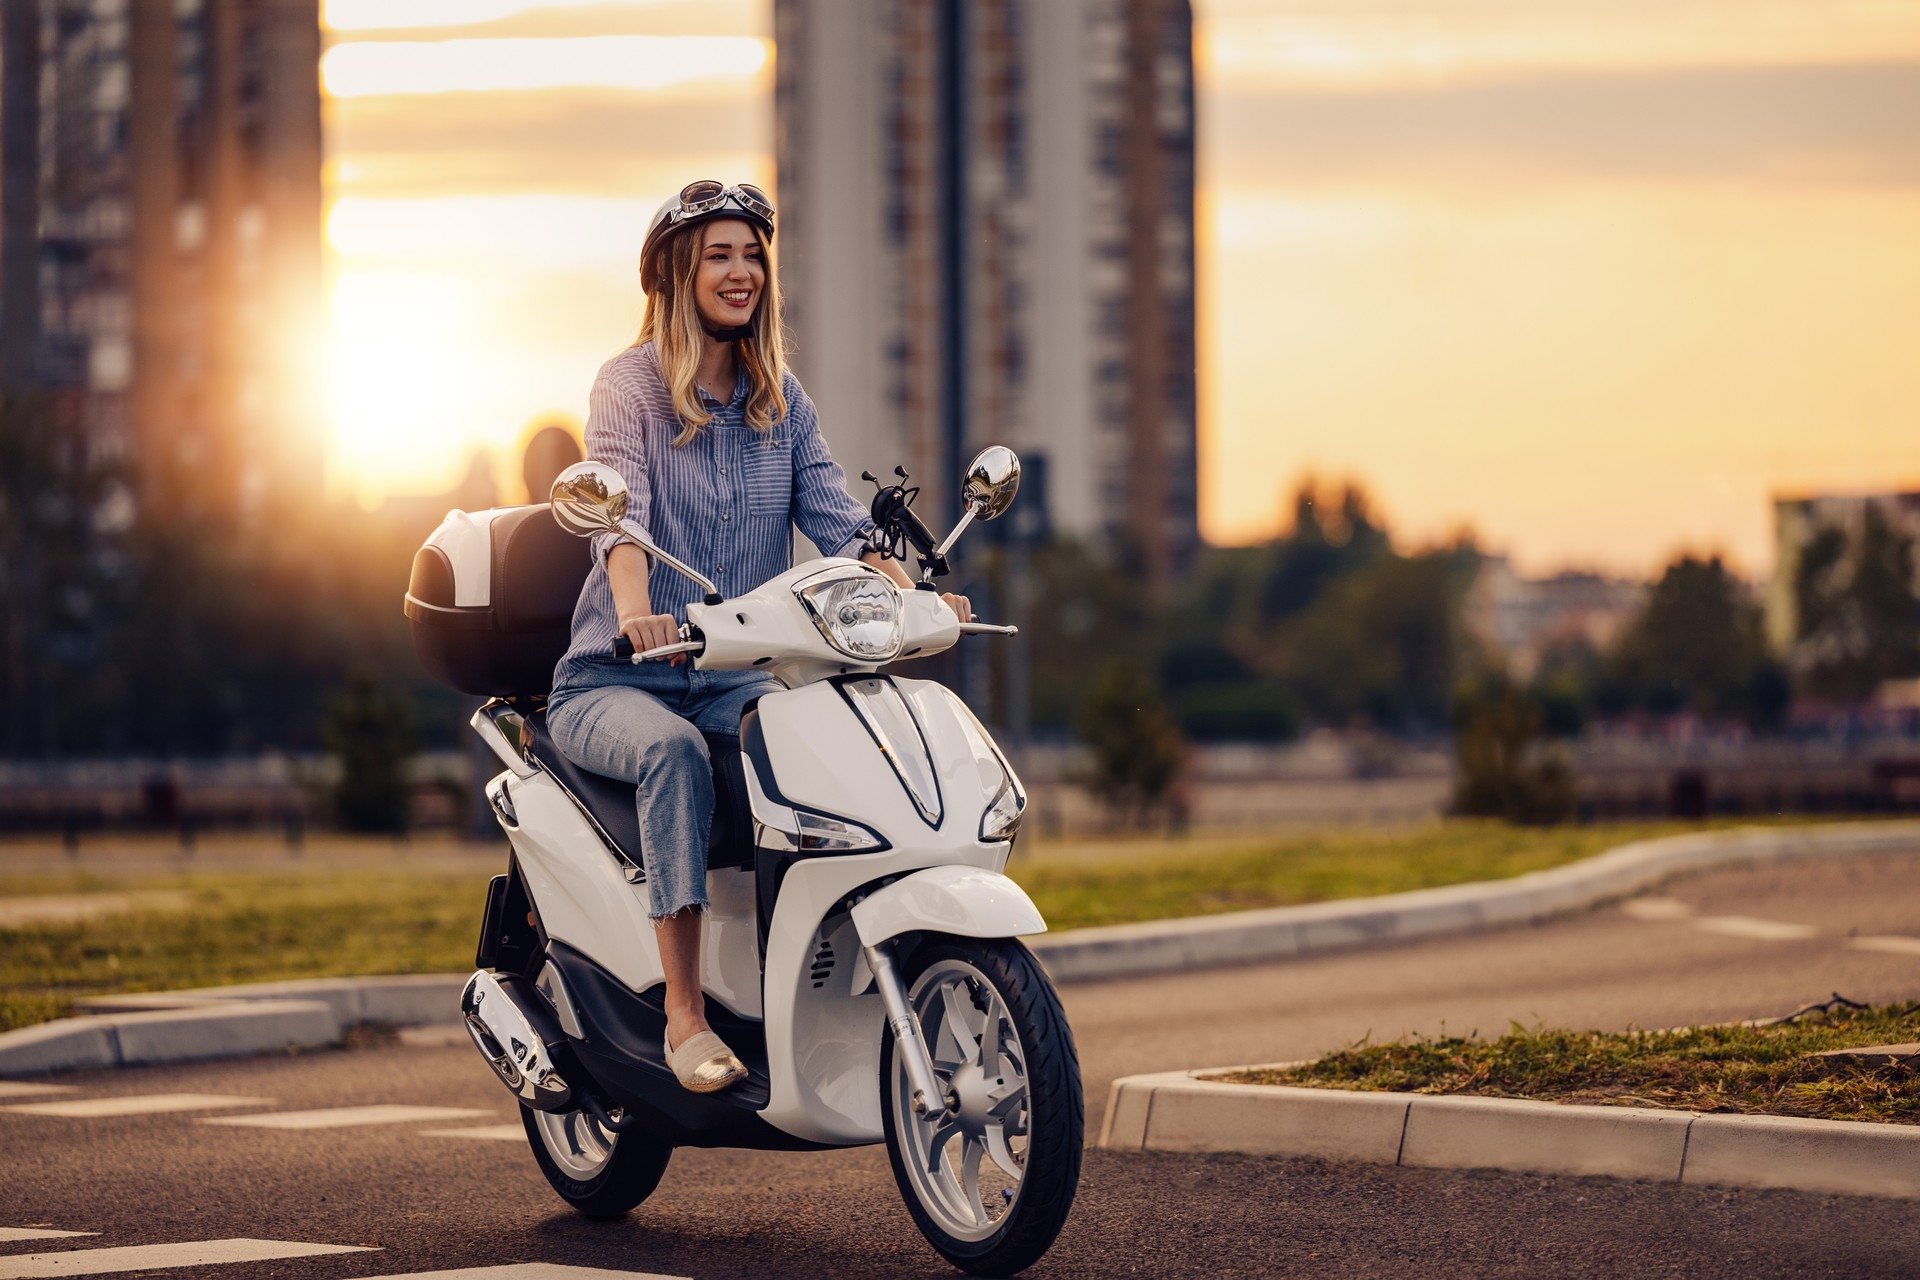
966, 1165
576, 1142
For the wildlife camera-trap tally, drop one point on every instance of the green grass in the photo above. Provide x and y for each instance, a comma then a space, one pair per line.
1078, 885
248, 927
373, 907
1764, 1070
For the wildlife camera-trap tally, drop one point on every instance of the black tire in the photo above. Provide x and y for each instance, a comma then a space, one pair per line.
1049, 1112
599, 1183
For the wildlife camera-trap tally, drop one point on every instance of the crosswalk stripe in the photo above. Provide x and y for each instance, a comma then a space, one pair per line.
38, 1233
1750, 927
531, 1271
155, 1257
1656, 909
341, 1117
135, 1104
20, 1088
1891, 943
491, 1132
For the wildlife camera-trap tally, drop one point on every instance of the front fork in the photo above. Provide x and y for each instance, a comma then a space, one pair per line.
928, 1096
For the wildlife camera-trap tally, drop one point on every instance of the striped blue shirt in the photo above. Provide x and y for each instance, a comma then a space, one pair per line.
725, 502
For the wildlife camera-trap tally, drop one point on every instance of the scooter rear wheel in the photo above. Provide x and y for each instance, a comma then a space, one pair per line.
602, 1174
990, 1184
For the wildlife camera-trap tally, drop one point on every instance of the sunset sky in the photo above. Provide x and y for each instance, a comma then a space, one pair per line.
1593, 278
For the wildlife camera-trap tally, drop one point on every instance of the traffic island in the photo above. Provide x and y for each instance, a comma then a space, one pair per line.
1787, 1111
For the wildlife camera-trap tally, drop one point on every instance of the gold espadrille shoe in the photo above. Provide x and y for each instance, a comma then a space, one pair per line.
704, 1064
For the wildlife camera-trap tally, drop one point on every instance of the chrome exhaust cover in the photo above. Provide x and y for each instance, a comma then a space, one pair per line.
506, 1021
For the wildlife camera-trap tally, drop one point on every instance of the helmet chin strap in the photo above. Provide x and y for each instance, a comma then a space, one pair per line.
727, 333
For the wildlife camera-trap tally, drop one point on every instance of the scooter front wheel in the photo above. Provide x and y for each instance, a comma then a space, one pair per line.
600, 1173
989, 1182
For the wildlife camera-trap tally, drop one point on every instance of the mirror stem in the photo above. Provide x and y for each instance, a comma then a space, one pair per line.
966, 518
632, 533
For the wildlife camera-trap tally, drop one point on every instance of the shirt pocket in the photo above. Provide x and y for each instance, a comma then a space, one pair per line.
768, 468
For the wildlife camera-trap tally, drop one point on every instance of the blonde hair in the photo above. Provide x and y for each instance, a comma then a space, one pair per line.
672, 324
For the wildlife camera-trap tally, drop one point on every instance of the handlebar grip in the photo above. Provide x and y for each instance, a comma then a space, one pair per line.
622, 647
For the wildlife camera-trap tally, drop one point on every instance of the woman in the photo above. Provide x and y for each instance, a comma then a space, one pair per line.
722, 455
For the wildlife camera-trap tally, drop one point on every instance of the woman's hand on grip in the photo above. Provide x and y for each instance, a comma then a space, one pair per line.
650, 631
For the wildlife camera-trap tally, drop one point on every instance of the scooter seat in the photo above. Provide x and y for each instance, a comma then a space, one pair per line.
610, 801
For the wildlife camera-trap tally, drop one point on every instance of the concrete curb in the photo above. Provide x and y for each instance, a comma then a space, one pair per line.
1177, 1111
178, 1026
1281, 933
226, 1022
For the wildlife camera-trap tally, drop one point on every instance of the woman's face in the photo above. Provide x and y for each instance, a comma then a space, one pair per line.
731, 275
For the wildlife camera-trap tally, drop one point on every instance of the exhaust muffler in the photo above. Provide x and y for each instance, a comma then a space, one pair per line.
515, 1031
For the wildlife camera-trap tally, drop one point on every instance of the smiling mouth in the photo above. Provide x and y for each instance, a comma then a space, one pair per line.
739, 298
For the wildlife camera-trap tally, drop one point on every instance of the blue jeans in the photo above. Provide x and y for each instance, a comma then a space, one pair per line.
642, 724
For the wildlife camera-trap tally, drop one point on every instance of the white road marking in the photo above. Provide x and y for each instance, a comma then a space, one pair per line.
1892, 944
341, 1117
531, 1271
492, 1132
1751, 927
1656, 909
156, 1257
20, 1088
38, 1233
136, 1104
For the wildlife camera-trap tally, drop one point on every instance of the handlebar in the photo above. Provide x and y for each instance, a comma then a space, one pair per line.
987, 629
691, 643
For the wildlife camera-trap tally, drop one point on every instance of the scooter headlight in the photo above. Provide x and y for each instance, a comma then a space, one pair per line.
1002, 819
822, 834
858, 611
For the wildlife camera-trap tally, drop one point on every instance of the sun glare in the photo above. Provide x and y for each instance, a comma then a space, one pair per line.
363, 68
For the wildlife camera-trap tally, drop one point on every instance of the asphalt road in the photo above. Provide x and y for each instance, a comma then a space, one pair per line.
1727, 946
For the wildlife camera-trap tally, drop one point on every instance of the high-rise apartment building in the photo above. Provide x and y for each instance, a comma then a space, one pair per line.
160, 252
986, 235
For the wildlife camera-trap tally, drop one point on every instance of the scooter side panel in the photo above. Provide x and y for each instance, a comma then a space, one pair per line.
585, 900
581, 893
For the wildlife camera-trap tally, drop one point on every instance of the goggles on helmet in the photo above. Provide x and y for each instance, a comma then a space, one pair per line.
707, 195
699, 202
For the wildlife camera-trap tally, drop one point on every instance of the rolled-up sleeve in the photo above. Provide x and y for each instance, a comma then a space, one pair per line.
616, 435
822, 508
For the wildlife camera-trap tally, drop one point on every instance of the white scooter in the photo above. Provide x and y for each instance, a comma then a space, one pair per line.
860, 954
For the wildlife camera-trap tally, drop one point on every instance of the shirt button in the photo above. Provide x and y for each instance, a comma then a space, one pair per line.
724, 516
723, 471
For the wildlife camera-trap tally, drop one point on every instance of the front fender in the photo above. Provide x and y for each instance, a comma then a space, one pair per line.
967, 901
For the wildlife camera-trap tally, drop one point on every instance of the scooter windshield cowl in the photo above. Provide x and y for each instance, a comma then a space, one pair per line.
896, 732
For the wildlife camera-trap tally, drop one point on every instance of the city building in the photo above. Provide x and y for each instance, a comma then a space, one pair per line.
987, 236
160, 250
1795, 522
1523, 619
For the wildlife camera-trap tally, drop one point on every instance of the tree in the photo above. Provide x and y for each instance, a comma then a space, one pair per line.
371, 732
1698, 646
55, 564
1137, 748
1503, 768
1859, 615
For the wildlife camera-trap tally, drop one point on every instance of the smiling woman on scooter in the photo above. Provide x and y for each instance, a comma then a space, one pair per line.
722, 455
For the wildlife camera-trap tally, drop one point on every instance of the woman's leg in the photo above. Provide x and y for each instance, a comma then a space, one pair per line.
630, 734
679, 939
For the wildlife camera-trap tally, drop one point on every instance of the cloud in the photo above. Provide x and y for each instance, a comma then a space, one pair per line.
583, 140
360, 68
1853, 124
